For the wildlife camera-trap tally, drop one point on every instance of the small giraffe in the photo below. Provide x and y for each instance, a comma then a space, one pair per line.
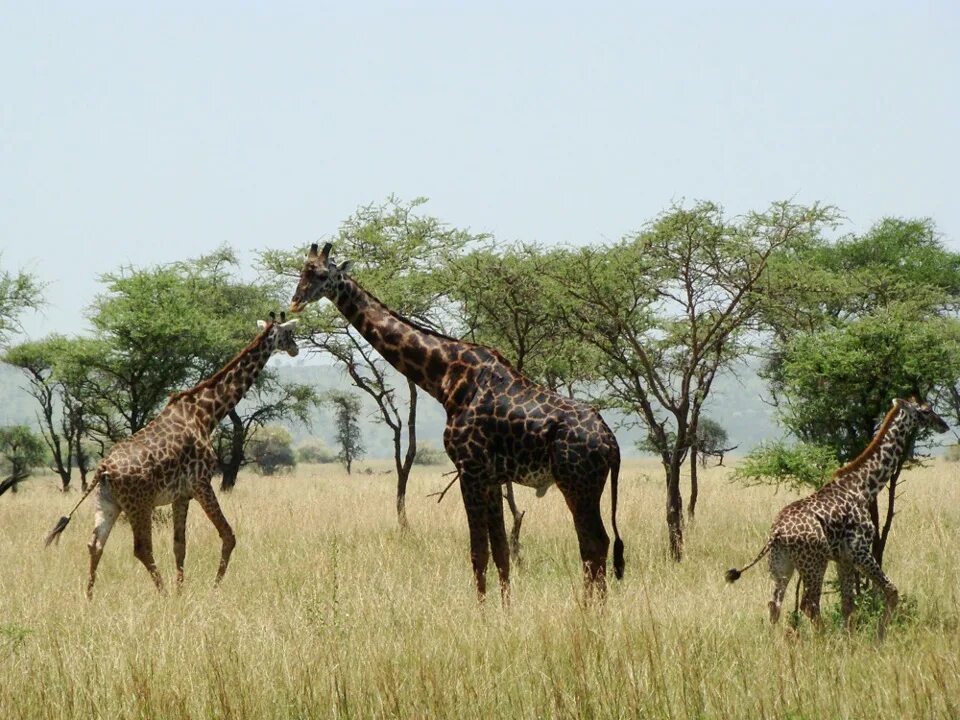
500, 426
171, 460
834, 522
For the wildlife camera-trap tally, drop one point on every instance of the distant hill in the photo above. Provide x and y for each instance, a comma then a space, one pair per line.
735, 402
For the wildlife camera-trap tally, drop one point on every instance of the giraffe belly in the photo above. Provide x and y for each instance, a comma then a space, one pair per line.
539, 478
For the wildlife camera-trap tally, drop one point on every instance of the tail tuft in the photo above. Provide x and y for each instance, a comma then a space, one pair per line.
733, 575
618, 561
55, 533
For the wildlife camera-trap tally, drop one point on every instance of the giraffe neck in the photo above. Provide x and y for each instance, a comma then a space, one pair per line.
219, 394
868, 473
421, 355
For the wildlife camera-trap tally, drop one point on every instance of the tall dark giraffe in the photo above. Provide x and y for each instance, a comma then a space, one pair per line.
500, 425
171, 460
834, 522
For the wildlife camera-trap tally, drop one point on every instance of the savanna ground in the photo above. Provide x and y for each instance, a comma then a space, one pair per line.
328, 610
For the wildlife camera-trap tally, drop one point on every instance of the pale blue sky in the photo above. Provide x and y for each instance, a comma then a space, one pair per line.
141, 134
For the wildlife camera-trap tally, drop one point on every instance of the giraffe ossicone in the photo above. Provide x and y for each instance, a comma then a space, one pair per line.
500, 425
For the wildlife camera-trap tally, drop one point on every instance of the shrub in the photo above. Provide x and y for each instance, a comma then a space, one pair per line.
798, 466
427, 454
315, 451
270, 449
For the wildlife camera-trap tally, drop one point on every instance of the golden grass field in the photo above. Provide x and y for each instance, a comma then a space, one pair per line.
327, 610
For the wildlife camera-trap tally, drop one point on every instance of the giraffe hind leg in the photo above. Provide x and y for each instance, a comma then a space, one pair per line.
593, 540
106, 515
781, 569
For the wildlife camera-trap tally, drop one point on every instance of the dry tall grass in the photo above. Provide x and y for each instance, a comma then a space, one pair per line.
328, 611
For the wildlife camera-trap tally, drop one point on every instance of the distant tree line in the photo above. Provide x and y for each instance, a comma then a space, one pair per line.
642, 325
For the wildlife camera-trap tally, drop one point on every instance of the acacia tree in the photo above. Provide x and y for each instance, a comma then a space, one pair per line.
37, 360
856, 323
669, 307
349, 438
395, 250
18, 292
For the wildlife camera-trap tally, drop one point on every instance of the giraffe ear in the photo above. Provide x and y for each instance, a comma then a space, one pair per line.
895, 402
345, 266
289, 323
262, 324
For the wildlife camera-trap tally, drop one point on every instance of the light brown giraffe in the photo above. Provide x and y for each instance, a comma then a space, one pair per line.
834, 522
171, 460
500, 426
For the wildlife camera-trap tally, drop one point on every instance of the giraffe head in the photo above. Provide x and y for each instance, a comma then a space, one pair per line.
280, 334
922, 414
320, 277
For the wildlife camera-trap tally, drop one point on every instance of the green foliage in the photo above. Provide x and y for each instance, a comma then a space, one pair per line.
271, 450
510, 298
834, 384
428, 454
869, 606
797, 466
18, 292
21, 451
859, 322
315, 451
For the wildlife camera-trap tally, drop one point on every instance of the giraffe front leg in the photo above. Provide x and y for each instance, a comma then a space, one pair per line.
847, 577
180, 507
811, 575
204, 495
141, 522
474, 502
498, 541
867, 564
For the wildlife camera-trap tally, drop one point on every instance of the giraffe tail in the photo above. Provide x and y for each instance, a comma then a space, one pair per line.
54, 535
618, 562
733, 574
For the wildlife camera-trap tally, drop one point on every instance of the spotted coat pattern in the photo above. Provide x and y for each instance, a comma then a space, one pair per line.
834, 522
171, 460
500, 425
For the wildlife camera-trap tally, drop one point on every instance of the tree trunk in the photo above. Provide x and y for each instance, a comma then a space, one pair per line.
517, 521
694, 488
231, 467
404, 466
674, 509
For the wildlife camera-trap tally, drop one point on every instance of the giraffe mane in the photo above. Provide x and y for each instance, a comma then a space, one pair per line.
219, 374
430, 331
872, 447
